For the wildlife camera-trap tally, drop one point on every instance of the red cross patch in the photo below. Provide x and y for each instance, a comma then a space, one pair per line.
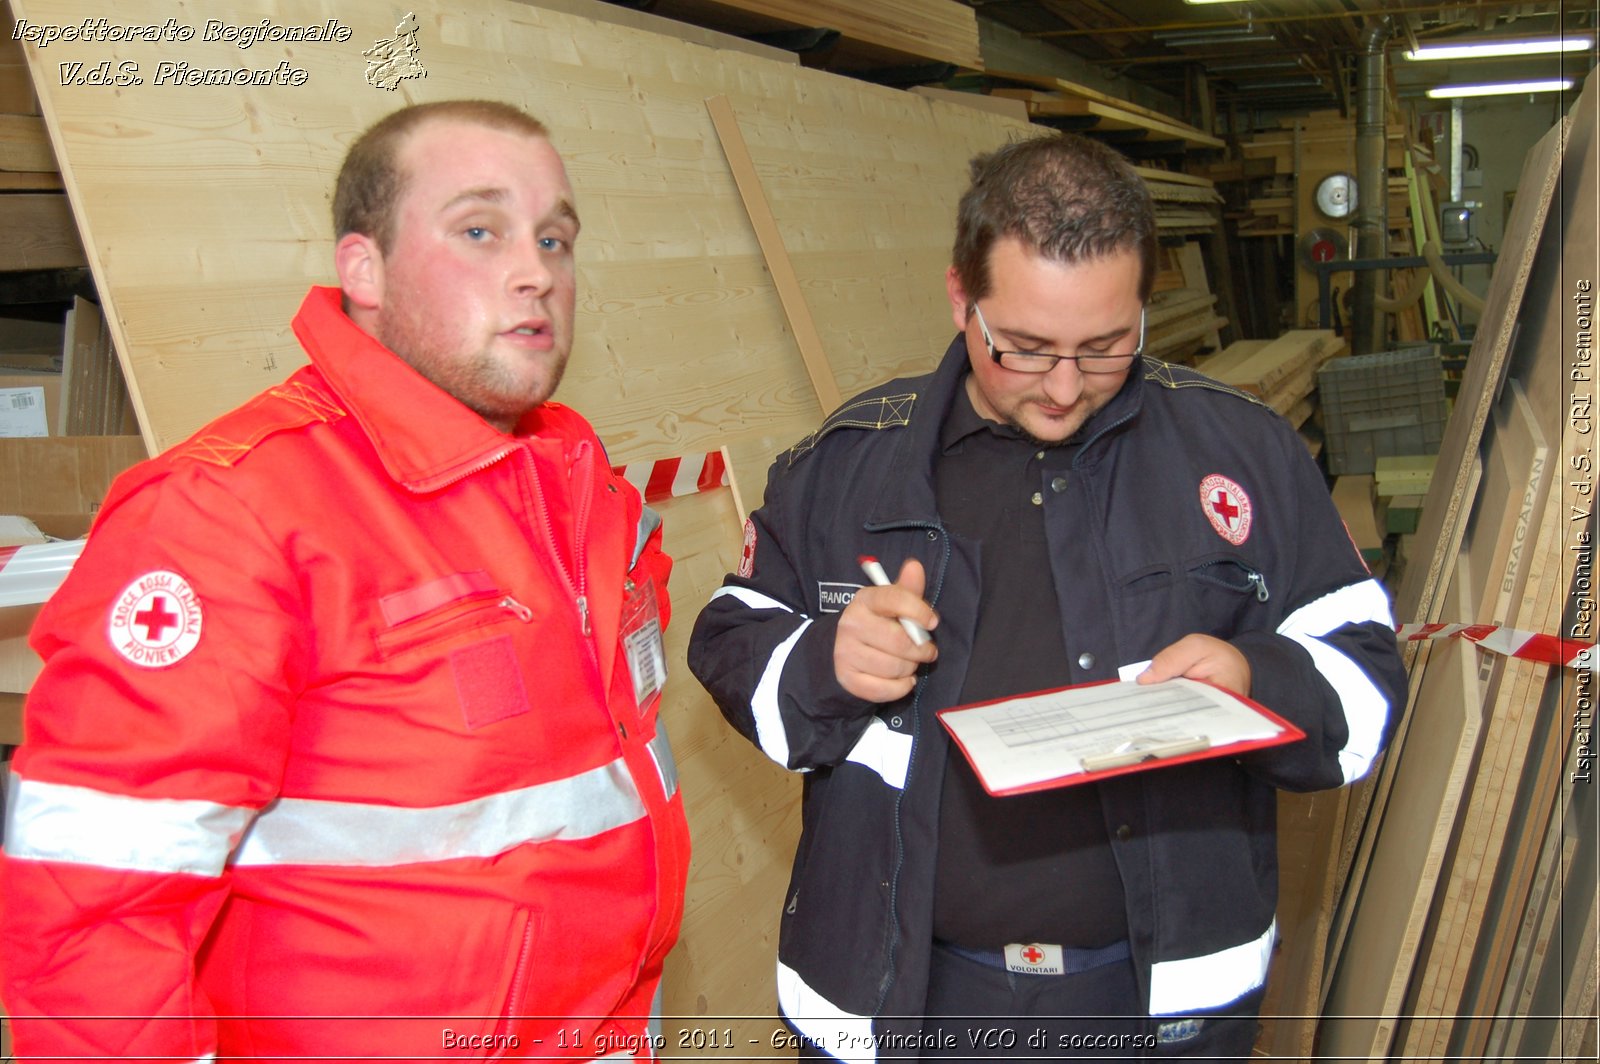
747, 559
1227, 507
156, 620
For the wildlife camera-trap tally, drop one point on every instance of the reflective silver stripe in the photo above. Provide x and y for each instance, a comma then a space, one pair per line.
312, 831
770, 733
1211, 981
1365, 707
884, 751
61, 822
843, 1034
666, 766
649, 521
754, 599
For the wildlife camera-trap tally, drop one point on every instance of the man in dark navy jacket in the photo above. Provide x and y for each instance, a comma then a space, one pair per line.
1057, 510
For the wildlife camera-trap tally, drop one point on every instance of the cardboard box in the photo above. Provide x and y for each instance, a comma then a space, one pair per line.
30, 404
58, 483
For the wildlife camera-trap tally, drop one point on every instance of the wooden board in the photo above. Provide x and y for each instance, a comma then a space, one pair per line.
1369, 987
1109, 117
37, 233
1485, 367
743, 811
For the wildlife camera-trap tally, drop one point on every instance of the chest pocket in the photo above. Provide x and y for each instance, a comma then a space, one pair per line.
1218, 594
465, 621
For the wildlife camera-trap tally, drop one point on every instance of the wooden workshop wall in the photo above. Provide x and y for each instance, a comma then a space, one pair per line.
204, 211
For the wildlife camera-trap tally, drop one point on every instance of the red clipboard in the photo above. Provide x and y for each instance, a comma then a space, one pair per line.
1260, 730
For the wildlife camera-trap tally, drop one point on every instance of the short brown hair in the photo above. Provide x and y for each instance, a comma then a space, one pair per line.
371, 182
1064, 196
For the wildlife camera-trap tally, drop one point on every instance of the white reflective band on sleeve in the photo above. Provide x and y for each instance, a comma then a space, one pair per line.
842, 1034
1212, 981
1365, 707
316, 832
754, 599
884, 751
661, 751
60, 822
770, 732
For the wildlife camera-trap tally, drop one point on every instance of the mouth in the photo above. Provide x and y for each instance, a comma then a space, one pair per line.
536, 332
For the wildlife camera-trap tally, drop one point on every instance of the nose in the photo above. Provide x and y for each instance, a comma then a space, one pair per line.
1063, 385
531, 269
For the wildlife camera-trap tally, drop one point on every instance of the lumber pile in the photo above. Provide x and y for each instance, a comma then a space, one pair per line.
1281, 372
1179, 322
1092, 111
1466, 915
883, 32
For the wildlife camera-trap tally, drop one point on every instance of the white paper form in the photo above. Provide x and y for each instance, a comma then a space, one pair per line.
1047, 738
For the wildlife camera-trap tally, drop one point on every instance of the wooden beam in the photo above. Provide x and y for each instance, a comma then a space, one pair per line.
37, 232
777, 256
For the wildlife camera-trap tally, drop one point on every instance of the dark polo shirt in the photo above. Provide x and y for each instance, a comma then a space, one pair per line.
1030, 867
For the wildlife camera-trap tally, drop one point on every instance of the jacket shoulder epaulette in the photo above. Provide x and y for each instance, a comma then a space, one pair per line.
291, 405
1171, 377
872, 412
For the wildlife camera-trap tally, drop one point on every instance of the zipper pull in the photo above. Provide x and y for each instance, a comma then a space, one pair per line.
1261, 586
523, 613
583, 612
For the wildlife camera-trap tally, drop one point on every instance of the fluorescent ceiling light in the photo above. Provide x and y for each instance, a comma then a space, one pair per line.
1491, 49
1212, 1
1504, 88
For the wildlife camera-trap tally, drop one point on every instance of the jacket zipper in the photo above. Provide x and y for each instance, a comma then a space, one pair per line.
519, 979
893, 945
575, 577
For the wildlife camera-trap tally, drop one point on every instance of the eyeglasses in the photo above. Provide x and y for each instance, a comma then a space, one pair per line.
1031, 362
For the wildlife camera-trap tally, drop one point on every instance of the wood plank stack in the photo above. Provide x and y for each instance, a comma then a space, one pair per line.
1179, 322
1282, 372
1095, 111
883, 32
1466, 926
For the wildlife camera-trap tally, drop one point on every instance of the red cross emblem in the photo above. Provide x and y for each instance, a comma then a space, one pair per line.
1227, 507
156, 621
1032, 954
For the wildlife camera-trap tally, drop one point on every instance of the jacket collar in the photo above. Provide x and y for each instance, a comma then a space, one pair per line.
423, 436
907, 494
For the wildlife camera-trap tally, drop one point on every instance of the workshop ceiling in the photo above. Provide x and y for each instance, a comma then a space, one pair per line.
1261, 55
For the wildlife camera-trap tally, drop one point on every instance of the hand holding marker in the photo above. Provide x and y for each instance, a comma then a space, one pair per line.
874, 570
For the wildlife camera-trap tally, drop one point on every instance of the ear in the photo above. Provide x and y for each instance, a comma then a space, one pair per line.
959, 308
359, 263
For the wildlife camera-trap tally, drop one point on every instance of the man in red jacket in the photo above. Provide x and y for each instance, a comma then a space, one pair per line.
346, 740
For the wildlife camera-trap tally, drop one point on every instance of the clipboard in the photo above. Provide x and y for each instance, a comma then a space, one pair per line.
1088, 732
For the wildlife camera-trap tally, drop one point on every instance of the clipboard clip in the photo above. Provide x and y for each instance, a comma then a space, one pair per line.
1141, 749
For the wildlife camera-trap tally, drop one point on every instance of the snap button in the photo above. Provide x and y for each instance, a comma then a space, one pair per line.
895, 722
1124, 832
1086, 660
1038, 499
1058, 485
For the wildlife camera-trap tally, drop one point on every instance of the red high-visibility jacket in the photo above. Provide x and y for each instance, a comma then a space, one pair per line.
336, 750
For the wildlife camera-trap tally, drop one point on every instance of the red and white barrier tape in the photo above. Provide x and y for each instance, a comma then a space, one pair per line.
29, 575
672, 477
1528, 646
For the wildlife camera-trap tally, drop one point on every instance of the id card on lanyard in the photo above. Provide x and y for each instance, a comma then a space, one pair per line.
641, 642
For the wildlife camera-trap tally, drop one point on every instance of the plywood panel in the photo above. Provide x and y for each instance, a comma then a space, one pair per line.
681, 341
743, 813
1375, 968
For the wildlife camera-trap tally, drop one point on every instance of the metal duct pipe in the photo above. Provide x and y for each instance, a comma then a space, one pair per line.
1369, 326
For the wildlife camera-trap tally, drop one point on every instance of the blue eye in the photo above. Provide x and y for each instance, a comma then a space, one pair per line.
552, 243
475, 232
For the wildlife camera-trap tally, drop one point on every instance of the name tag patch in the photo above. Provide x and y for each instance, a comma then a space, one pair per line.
1034, 958
834, 597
